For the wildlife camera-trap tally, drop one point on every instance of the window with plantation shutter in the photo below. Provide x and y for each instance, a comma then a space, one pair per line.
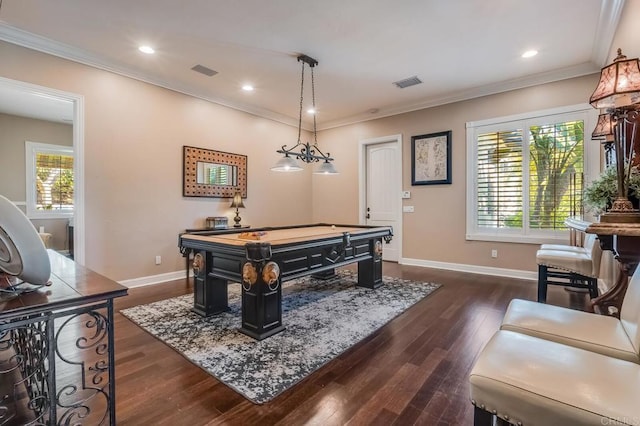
526, 174
50, 180
556, 153
499, 178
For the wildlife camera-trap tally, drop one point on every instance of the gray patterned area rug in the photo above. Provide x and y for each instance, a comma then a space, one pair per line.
323, 318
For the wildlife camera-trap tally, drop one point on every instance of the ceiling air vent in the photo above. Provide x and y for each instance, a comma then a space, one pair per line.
411, 81
204, 70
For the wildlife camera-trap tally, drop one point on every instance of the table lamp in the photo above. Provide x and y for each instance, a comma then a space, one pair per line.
618, 93
237, 204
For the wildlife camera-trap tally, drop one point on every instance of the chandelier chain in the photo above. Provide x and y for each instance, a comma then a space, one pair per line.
305, 151
301, 99
313, 105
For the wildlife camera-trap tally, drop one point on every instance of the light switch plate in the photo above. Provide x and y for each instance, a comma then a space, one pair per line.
408, 209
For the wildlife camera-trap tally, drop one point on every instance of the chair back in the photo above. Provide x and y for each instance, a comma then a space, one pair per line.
630, 311
589, 241
592, 245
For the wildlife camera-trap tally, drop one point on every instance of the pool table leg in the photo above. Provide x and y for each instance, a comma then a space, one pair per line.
370, 270
325, 275
209, 294
261, 300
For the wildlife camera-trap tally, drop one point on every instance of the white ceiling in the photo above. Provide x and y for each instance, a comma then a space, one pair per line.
460, 49
15, 101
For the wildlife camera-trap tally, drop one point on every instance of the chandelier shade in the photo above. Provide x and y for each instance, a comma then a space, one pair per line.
326, 168
305, 151
287, 164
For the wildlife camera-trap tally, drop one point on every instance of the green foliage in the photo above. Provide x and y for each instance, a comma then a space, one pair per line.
514, 221
57, 183
556, 154
600, 194
634, 182
555, 167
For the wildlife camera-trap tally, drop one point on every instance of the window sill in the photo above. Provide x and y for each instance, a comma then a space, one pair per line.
49, 215
521, 239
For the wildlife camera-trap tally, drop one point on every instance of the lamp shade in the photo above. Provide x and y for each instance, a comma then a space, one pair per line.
619, 84
237, 201
326, 168
604, 127
286, 164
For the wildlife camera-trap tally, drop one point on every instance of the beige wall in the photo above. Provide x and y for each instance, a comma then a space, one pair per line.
134, 133
436, 231
14, 131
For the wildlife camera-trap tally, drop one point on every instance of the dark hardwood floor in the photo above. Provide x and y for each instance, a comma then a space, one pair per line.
412, 371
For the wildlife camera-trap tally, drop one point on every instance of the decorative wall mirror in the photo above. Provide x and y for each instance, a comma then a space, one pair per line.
208, 173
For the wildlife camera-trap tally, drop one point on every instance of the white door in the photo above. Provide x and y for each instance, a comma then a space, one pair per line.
382, 197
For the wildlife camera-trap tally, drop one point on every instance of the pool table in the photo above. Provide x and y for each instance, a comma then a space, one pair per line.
262, 258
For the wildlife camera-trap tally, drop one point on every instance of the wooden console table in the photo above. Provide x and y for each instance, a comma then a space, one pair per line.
624, 240
57, 349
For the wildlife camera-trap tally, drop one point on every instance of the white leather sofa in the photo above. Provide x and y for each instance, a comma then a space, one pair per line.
549, 365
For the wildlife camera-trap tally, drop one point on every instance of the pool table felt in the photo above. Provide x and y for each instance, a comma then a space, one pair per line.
281, 236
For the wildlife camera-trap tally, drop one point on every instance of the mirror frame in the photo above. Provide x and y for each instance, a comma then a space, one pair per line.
191, 188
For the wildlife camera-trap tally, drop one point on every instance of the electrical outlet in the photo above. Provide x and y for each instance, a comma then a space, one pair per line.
158, 260
494, 253
406, 194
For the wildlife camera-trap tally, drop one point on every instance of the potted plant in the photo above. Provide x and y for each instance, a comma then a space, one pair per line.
600, 194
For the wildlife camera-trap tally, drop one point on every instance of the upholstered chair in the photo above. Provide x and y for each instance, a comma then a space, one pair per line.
607, 335
577, 267
550, 365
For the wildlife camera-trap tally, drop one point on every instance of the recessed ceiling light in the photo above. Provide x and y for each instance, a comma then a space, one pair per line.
247, 88
529, 53
147, 49
311, 111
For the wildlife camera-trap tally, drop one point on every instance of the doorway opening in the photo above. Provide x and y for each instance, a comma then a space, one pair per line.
47, 102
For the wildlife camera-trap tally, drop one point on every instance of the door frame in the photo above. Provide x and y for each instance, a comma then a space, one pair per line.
362, 179
78, 151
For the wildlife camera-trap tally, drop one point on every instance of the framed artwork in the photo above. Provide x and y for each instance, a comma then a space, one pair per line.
431, 158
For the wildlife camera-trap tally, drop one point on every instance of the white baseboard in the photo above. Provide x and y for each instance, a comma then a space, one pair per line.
460, 267
473, 269
154, 279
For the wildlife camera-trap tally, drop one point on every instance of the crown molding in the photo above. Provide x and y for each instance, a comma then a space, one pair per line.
610, 13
